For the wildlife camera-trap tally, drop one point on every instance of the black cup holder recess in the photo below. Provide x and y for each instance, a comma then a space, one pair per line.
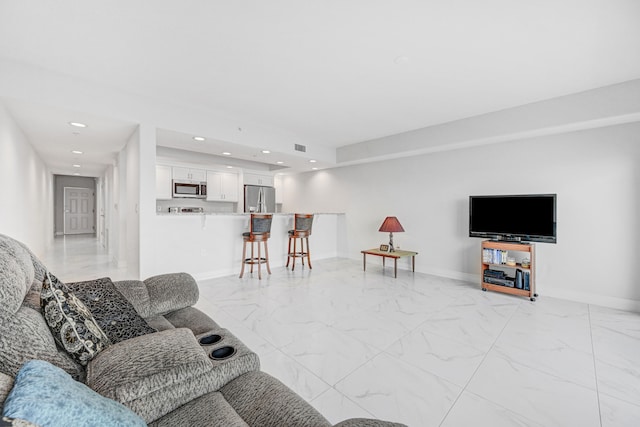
209, 339
222, 353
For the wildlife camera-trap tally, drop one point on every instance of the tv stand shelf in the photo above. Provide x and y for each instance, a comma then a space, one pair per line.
509, 247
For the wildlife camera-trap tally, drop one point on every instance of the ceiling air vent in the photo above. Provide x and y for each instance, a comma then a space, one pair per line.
299, 147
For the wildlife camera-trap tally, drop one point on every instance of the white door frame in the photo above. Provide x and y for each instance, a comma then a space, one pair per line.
92, 207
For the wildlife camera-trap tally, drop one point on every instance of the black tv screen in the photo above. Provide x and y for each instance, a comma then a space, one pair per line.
526, 217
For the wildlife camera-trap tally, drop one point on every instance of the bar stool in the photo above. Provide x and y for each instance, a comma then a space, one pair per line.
302, 231
259, 231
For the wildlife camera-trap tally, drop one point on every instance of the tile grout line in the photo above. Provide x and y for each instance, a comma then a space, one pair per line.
595, 367
479, 365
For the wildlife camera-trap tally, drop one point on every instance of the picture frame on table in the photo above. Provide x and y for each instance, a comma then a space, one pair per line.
384, 248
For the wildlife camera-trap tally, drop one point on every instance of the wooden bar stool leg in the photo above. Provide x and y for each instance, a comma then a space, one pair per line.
308, 254
302, 252
266, 256
244, 257
288, 252
252, 259
259, 263
293, 267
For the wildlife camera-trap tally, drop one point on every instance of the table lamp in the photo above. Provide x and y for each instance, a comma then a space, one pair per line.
392, 225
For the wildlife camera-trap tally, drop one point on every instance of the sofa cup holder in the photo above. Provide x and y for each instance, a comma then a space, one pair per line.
222, 353
210, 339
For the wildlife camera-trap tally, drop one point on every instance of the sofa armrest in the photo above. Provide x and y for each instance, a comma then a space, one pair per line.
6, 382
152, 374
170, 292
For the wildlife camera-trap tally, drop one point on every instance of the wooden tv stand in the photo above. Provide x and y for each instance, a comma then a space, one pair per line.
492, 264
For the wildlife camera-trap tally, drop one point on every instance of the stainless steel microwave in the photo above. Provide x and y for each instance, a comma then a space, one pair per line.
189, 189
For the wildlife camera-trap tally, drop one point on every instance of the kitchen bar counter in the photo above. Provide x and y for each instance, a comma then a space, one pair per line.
209, 245
238, 214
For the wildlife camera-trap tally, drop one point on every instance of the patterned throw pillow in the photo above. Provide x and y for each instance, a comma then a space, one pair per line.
114, 313
70, 321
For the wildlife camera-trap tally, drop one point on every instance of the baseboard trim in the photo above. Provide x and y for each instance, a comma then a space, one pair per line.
593, 299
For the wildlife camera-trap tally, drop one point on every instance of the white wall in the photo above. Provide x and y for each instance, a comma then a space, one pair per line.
594, 172
132, 197
26, 188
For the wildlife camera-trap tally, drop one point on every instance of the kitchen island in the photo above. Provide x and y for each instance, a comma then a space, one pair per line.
209, 245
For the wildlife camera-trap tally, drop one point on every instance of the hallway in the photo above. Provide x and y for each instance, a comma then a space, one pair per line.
79, 257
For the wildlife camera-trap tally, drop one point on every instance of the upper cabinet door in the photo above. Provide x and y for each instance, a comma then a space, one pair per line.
190, 174
198, 174
163, 182
214, 186
230, 187
222, 186
251, 178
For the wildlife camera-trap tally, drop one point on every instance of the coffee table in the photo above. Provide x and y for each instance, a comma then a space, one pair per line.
395, 255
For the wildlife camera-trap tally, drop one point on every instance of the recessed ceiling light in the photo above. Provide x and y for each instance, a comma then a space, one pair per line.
78, 124
314, 169
266, 152
312, 161
76, 166
229, 167
279, 162
76, 151
199, 138
77, 174
226, 153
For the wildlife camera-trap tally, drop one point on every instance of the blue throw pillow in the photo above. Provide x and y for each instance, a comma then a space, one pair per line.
47, 396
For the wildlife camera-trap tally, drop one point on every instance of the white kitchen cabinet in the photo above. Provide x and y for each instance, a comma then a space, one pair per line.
190, 174
163, 182
251, 178
222, 186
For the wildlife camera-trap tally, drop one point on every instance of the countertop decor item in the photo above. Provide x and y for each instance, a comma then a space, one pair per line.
391, 225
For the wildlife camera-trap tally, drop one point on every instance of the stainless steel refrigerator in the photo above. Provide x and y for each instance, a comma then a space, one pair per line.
258, 198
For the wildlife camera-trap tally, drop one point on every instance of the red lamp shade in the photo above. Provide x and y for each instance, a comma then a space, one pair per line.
391, 225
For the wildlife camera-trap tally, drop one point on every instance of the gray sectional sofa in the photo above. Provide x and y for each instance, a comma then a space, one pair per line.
153, 352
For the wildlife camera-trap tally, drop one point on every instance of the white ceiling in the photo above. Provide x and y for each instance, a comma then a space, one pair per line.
54, 138
331, 72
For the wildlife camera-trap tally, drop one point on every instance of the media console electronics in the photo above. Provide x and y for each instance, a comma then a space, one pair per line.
515, 218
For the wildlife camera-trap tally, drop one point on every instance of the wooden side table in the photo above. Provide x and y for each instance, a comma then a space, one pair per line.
395, 255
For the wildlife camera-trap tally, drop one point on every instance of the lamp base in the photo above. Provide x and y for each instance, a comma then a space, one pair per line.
391, 248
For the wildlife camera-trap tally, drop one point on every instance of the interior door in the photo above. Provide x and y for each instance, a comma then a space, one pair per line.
79, 210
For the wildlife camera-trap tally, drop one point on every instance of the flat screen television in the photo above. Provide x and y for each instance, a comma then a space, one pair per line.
525, 217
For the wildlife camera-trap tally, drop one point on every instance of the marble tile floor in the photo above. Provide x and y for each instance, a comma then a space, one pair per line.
427, 350
81, 257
